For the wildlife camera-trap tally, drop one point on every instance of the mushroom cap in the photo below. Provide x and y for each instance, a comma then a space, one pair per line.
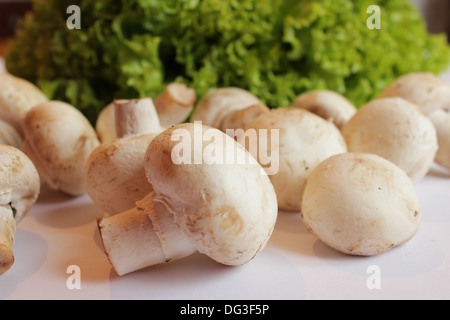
441, 121
175, 104
227, 210
115, 175
360, 204
105, 125
19, 181
17, 96
9, 135
426, 90
59, 140
305, 140
217, 103
396, 130
327, 104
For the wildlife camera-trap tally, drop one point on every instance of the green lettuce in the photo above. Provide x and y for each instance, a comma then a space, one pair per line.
277, 49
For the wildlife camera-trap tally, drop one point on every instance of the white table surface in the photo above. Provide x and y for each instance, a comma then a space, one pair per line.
61, 231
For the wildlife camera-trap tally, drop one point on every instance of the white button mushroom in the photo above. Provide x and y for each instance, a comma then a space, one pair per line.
59, 140
228, 108
327, 104
17, 97
305, 140
426, 90
396, 130
441, 121
114, 172
224, 210
360, 204
19, 189
432, 95
173, 106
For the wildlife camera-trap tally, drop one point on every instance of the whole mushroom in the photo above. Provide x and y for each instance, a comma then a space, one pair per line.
114, 172
432, 95
304, 140
59, 139
360, 204
224, 210
327, 104
19, 187
426, 90
396, 130
17, 97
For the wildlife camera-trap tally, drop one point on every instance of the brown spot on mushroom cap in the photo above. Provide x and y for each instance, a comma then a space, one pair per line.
230, 219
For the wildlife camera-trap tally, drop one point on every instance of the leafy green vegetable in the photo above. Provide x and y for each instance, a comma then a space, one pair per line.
275, 48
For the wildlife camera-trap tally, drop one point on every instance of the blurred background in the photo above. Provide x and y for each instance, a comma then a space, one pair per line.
436, 12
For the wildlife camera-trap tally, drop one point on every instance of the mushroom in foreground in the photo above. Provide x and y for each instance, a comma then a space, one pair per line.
20, 186
360, 204
173, 106
114, 172
327, 104
228, 108
304, 141
59, 140
17, 97
396, 130
224, 210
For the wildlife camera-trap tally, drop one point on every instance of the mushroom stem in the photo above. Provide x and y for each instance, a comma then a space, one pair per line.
175, 104
135, 117
7, 231
143, 236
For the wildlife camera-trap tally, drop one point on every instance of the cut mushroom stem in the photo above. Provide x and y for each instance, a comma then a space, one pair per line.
143, 236
7, 231
135, 117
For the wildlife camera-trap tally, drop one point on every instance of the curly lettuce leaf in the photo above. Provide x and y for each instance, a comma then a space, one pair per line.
276, 49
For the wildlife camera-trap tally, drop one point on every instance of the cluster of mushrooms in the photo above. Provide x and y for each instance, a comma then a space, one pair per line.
351, 173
